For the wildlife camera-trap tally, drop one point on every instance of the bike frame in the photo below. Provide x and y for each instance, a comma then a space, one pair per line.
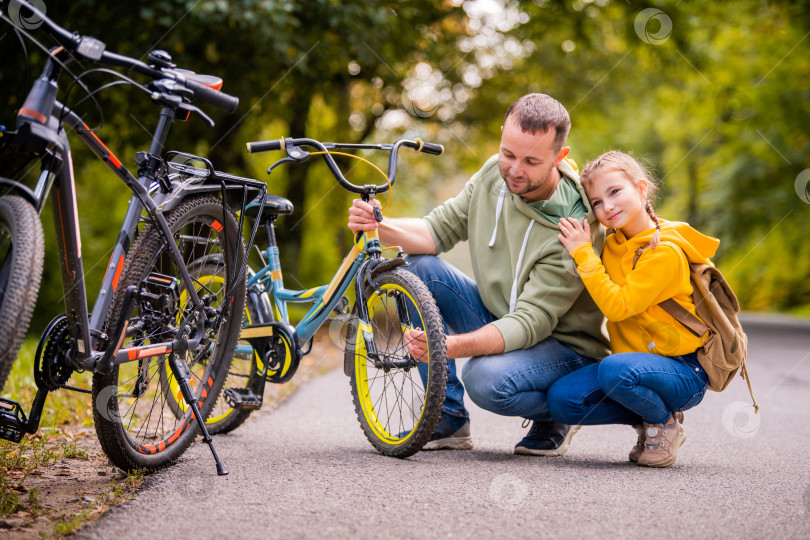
324, 298
57, 173
41, 132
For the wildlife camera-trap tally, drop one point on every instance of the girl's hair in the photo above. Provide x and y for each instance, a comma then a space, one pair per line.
632, 169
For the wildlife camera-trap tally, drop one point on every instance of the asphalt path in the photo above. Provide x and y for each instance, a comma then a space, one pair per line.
306, 470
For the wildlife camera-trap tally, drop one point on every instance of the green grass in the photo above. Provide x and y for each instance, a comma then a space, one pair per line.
9, 500
26, 456
70, 450
70, 524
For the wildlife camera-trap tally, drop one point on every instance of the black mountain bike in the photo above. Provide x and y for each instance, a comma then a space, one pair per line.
167, 317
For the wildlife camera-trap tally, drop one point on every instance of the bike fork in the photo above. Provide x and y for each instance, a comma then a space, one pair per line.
182, 374
363, 319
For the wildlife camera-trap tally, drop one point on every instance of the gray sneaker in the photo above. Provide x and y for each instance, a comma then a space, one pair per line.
546, 439
452, 433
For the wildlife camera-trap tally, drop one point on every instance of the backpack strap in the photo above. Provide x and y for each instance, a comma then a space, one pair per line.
639, 251
677, 311
747, 378
682, 315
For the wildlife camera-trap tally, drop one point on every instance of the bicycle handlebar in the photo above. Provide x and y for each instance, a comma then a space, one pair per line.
264, 146
296, 154
210, 96
93, 50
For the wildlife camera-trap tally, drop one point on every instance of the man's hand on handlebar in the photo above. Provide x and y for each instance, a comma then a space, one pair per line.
361, 215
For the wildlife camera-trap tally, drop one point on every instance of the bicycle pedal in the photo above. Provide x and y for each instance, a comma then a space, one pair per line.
243, 398
13, 423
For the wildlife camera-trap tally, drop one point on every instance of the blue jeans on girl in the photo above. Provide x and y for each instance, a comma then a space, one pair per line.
510, 384
629, 388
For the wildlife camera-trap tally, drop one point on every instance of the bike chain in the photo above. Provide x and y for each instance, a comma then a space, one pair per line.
54, 366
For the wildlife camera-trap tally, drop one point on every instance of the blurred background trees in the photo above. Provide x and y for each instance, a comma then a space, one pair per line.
713, 94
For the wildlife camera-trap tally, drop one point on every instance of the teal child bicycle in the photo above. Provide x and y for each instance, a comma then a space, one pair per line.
397, 398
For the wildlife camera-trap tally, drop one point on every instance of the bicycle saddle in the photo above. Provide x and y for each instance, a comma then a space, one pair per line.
273, 205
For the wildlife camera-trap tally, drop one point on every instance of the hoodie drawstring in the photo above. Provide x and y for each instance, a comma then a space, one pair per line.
513, 298
498, 210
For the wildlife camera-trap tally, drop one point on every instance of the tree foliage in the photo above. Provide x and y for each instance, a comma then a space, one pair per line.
713, 94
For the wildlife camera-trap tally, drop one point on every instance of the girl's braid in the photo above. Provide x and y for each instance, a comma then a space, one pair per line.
656, 237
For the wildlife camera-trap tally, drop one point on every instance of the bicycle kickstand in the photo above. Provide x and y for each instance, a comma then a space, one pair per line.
183, 374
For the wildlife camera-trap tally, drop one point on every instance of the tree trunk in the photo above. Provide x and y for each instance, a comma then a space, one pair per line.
692, 193
291, 234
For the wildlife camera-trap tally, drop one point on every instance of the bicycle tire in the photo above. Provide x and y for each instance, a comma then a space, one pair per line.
243, 372
135, 424
397, 411
22, 251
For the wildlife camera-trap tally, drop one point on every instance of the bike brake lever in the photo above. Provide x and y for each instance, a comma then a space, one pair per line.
193, 108
282, 161
294, 152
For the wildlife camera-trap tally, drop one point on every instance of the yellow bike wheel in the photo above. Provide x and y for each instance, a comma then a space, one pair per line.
397, 398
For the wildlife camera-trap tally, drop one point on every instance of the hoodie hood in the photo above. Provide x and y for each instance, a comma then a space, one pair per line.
698, 247
568, 200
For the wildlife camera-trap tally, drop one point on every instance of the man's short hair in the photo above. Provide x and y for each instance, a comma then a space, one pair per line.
539, 112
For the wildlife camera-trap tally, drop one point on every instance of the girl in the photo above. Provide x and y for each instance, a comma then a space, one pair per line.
653, 374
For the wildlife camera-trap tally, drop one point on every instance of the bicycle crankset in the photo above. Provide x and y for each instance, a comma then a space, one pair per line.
53, 367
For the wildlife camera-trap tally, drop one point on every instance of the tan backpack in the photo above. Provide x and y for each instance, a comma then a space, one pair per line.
726, 345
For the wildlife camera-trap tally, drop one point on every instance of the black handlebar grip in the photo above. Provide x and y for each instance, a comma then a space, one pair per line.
432, 148
212, 97
264, 146
378, 214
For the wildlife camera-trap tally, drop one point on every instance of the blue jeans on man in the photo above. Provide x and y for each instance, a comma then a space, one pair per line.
510, 384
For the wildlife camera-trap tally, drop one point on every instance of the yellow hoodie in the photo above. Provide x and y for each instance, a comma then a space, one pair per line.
629, 297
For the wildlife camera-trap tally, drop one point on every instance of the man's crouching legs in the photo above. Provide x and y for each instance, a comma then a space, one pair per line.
516, 384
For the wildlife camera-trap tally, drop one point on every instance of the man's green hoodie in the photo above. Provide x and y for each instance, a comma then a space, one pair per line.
524, 274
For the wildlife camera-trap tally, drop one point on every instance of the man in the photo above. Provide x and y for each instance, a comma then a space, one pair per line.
526, 320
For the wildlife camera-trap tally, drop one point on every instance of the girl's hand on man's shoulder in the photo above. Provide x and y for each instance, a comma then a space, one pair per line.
573, 233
